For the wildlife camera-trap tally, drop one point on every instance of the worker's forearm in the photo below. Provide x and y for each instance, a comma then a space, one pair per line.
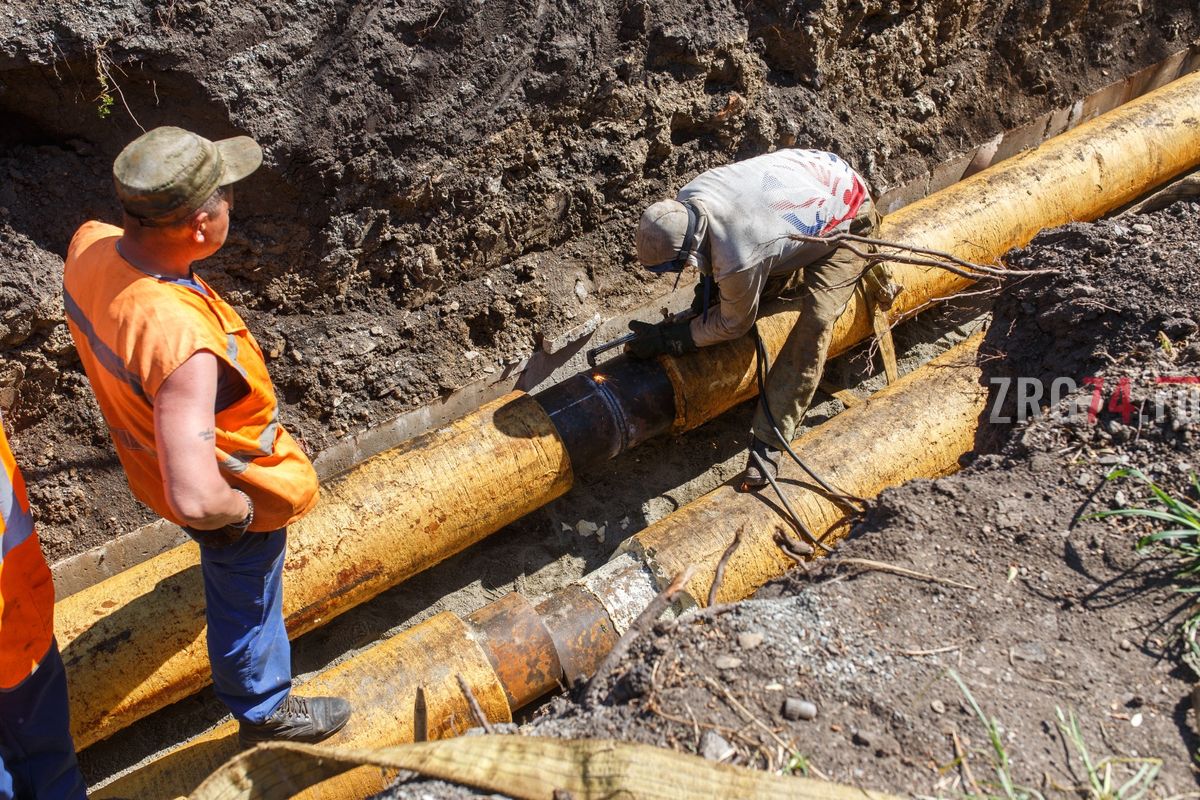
208, 509
185, 433
734, 315
723, 325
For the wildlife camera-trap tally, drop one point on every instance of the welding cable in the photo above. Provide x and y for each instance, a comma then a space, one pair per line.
762, 365
796, 521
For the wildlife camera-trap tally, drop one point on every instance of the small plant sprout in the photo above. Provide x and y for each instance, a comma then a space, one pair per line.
1101, 777
1112, 778
1165, 343
1001, 765
797, 764
105, 100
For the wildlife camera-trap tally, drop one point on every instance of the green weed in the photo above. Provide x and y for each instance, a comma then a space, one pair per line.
1138, 774
110, 89
797, 764
1182, 539
1101, 777
1008, 788
104, 101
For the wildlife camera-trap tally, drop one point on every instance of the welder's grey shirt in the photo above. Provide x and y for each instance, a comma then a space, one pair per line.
753, 207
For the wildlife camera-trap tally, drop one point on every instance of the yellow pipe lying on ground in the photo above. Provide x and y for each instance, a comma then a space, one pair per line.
921, 426
1080, 175
383, 686
135, 642
862, 450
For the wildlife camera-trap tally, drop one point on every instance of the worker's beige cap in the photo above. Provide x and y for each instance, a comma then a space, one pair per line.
167, 173
661, 232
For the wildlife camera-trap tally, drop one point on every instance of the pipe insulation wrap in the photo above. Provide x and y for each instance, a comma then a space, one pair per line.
1080, 175
383, 683
135, 642
624, 586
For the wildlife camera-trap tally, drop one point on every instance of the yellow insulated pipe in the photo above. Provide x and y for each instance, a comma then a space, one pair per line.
1080, 175
862, 449
135, 642
383, 686
918, 427
383, 682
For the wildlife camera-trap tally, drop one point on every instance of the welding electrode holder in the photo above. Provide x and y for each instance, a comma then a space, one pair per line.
681, 316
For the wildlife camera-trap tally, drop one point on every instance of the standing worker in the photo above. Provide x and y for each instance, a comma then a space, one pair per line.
736, 223
37, 755
192, 412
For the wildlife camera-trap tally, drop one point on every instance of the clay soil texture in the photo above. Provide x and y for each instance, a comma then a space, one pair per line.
452, 186
1029, 604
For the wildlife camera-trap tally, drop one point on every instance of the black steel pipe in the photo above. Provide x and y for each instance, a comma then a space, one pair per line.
603, 412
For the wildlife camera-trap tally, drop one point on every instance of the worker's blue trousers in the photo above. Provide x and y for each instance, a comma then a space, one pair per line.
37, 756
248, 646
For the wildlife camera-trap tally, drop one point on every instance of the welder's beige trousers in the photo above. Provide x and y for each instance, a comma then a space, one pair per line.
824, 288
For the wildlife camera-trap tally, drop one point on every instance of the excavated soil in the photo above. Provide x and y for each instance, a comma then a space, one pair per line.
1033, 603
450, 186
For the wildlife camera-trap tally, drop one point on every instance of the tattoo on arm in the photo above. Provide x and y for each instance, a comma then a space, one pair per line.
208, 435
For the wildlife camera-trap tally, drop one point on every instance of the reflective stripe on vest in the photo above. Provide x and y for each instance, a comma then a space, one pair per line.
18, 522
103, 353
26, 588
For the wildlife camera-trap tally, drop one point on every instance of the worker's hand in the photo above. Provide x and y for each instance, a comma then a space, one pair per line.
671, 338
648, 343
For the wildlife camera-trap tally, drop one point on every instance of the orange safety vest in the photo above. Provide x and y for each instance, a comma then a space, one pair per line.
26, 589
132, 330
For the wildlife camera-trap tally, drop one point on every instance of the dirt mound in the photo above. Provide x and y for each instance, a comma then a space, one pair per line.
1031, 601
447, 185
1089, 315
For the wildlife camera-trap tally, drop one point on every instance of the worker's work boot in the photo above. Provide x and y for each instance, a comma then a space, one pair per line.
298, 719
754, 477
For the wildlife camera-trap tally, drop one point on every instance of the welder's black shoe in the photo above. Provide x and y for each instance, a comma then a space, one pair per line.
298, 719
754, 477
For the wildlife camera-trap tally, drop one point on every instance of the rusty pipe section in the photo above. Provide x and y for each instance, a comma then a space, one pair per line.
512, 651
135, 642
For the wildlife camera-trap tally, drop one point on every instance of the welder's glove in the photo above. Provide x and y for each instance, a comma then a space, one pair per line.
671, 338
